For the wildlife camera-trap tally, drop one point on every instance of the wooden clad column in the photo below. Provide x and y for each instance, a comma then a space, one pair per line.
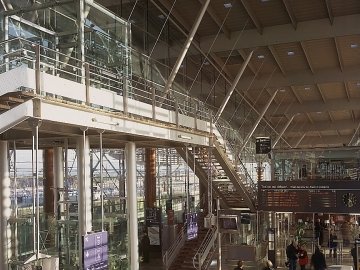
49, 194
150, 177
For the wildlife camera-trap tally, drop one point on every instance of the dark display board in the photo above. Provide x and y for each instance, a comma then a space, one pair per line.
310, 196
153, 216
263, 145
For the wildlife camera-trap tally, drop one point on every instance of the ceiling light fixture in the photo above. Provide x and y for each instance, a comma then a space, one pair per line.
261, 56
161, 16
227, 5
307, 88
358, 84
354, 45
264, 1
290, 53
282, 90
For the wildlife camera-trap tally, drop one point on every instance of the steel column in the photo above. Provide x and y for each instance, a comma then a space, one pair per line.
283, 131
257, 122
5, 211
232, 88
81, 37
49, 191
150, 177
131, 197
184, 50
84, 189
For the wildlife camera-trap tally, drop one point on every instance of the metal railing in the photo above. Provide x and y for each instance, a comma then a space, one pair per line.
174, 249
118, 79
206, 246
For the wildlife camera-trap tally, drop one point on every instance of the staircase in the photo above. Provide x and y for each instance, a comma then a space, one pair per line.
233, 187
184, 259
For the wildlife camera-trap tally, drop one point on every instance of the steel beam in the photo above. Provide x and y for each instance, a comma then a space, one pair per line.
283, 131
36, 7
232, 88
290, 13
315, 106
184, 50
257, 122
307, 30
354, 136
217, 20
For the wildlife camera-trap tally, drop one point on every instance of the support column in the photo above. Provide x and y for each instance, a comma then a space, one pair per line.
84, 190
59, 179
49, 195
131, 197
59, 192
150, 177
5, 232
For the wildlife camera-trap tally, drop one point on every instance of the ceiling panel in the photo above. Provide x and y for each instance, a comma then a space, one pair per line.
354, 89
285, 96
306, 10
349, 47
270, 13
344, 7
329, 133
319, 116
322, 53
236, 16
345, 132
341, 115
262, 61
307, 93
333, 90
291, 56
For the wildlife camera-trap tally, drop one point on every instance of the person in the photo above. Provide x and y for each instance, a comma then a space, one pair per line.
240, 265
303, 257
291, 254
318, 260
145, 247
353, 254
332, 244
268, 265
319, 231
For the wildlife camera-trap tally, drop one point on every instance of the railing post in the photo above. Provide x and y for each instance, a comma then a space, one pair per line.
176, 113
153, 102
196, 108
37, 69
87, 83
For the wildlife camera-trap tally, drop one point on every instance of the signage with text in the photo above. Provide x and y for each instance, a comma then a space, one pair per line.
324, 196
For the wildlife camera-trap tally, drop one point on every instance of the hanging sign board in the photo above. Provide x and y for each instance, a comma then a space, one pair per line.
263, 145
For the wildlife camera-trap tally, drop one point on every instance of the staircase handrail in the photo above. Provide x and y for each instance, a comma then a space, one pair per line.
174, 249
205, 247
221, 125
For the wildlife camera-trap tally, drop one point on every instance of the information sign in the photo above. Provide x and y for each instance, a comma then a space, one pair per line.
324, 196
95, 251
263, 145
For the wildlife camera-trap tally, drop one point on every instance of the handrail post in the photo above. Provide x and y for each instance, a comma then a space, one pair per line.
153, 102
87, 83
37, 69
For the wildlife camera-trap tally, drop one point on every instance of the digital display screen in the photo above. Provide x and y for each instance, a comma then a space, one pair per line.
309, 196
191, 226
228, 223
